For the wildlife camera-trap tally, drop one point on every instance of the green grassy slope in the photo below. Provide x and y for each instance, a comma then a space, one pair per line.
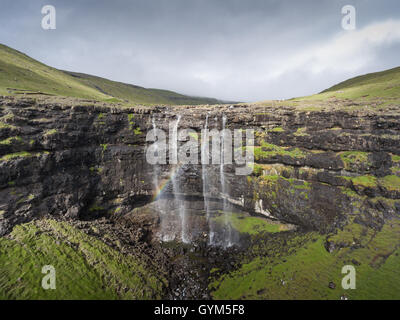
21, 74
385, 84
372, 91
18, 72
132, 93
86, 268
299, 267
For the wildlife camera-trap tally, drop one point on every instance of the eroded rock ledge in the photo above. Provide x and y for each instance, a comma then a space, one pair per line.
319, 170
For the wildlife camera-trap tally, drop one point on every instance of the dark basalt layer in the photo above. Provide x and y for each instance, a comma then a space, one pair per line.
83, 160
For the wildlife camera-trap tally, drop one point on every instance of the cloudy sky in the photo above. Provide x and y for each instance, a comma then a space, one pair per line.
229, 49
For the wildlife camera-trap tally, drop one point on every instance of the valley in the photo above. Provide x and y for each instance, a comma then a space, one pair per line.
77, 192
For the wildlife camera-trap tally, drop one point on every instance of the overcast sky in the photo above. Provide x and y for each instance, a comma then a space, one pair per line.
229, 49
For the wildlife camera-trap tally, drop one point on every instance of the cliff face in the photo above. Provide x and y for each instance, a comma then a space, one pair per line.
63, 160
319, 170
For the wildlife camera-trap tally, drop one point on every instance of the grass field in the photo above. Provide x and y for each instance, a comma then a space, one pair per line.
250, 225
86, 268
299, 267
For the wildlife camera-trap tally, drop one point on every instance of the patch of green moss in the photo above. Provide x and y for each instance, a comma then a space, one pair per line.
11, 140
366, 181
96, 169
194, 135
248, 224
271, 179
267, 150
395, 158
257, 169
301, 132
395, 170
131, 121
351, 234
388, 202
95, 208
21, 154
349, 192
118, 209
4, 125
50, 132
391, 183
299, 184
104, 146
137, 131
354, 158
277, 129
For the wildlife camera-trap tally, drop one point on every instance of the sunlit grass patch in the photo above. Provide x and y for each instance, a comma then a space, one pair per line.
86, 268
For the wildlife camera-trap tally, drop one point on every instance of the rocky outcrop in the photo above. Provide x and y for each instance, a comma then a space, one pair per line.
83, 160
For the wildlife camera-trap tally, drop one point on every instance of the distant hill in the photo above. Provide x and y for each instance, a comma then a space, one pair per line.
138, 94
384, 84
21, 74
373, 91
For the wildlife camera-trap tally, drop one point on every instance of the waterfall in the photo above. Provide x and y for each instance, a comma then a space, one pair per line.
156, 166
204, 163
228, 236
156, 174
176, 189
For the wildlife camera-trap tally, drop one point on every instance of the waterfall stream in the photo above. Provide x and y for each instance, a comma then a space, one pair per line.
156, 149
179, 212
156, 174
176, 188
204, 169
228, 235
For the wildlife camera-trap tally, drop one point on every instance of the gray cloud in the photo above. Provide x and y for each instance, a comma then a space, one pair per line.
230, 49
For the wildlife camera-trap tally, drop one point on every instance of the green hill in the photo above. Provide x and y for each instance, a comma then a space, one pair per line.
373, 91
21, 74
384, 84
132, 93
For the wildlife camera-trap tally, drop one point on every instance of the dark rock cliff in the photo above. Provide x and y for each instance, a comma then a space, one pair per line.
82, 160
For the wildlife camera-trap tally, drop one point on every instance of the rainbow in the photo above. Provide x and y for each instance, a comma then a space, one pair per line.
163, 183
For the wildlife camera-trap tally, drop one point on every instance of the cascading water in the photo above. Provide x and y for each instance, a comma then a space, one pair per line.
176, 189
156, 150
204, 161
228, 235
156, 174
180, 213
